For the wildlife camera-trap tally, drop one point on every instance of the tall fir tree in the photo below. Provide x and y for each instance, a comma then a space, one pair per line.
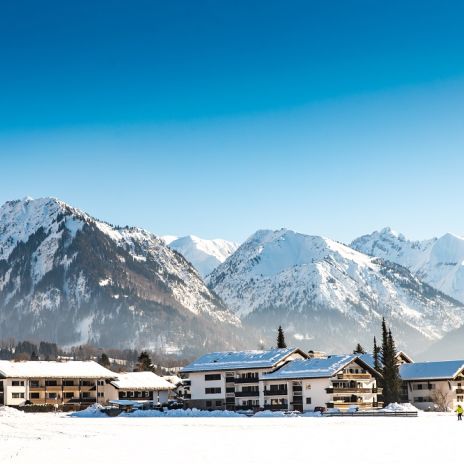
104, 360
281, 338
391, 379
376, 355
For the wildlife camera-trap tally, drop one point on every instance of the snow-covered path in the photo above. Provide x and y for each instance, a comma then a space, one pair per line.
49, 438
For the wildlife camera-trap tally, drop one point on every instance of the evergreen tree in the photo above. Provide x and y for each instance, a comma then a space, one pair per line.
34, 356
376, 355
359, 349
104, 360
391, 378
144, 362
281, 338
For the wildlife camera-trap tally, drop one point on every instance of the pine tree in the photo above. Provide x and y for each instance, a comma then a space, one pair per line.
144, 362
391, 379
376, 355
34, 356
104, 360
359, 349
281, 338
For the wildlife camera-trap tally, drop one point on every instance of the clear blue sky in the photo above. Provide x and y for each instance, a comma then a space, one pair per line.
217, 118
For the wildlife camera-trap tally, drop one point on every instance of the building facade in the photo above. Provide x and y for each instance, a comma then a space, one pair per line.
341, 382
51, 382
232, 380
433, 385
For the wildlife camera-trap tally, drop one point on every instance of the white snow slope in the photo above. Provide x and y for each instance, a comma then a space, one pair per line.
439, 261
291, 273
55, 438
205, 255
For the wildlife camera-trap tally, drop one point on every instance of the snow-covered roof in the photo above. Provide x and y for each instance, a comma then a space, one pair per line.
54, 369
312, 368
233, 360
141, 381
174, 379
432, 370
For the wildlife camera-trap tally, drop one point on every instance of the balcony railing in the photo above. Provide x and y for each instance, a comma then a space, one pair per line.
275, 392
246, 379
275, 407
349, 376
243, 394
352, 390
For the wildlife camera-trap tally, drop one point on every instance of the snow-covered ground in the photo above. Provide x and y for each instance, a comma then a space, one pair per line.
57, 438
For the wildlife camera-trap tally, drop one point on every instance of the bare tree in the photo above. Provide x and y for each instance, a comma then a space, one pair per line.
442, 400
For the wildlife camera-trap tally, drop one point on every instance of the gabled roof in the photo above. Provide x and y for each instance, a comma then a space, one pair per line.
368, 358
54, 369
141, 381
234, 360
434, 370
313, 368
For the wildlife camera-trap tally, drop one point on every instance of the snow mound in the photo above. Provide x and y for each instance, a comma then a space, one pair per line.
270, 414
95, 410
400, 407
6, 411
180, 413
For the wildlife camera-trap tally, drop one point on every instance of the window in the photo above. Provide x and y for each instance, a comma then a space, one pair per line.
101, 383
85, 394
68, 395
68, 383
35, 396
209, 377
209, 404
86, 383
17, 395
212, 391
308, 400
17, 383
100, 394
51, 383
218, 403
52, 396
460, 398
34, 384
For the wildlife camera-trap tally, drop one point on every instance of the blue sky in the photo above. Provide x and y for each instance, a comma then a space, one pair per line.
219, 118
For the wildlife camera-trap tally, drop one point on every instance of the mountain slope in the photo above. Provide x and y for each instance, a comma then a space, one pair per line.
439, 261
69, 278
329, 294
205, 255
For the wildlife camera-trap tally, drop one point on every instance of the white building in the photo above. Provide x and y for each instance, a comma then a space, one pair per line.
231, 380
51, 382
434, 384
139, 386
342, 382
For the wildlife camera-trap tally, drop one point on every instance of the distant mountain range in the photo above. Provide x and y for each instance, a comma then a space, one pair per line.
205, 255
327, 295
69, 278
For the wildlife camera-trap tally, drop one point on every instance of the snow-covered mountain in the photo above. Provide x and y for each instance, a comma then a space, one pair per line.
205, 255
69, 278
327, 295
439, 261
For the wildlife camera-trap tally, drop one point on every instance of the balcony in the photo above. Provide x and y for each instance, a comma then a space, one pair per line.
230, 379
280, 392
36, 389
352, 390
298, 388
246, 380
348, 376
246, 394
275, 407
459, 391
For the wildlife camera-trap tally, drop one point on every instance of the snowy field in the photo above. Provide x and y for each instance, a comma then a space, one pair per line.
57, 438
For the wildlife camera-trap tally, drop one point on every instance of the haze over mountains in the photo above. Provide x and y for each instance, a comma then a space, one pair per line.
70, 278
